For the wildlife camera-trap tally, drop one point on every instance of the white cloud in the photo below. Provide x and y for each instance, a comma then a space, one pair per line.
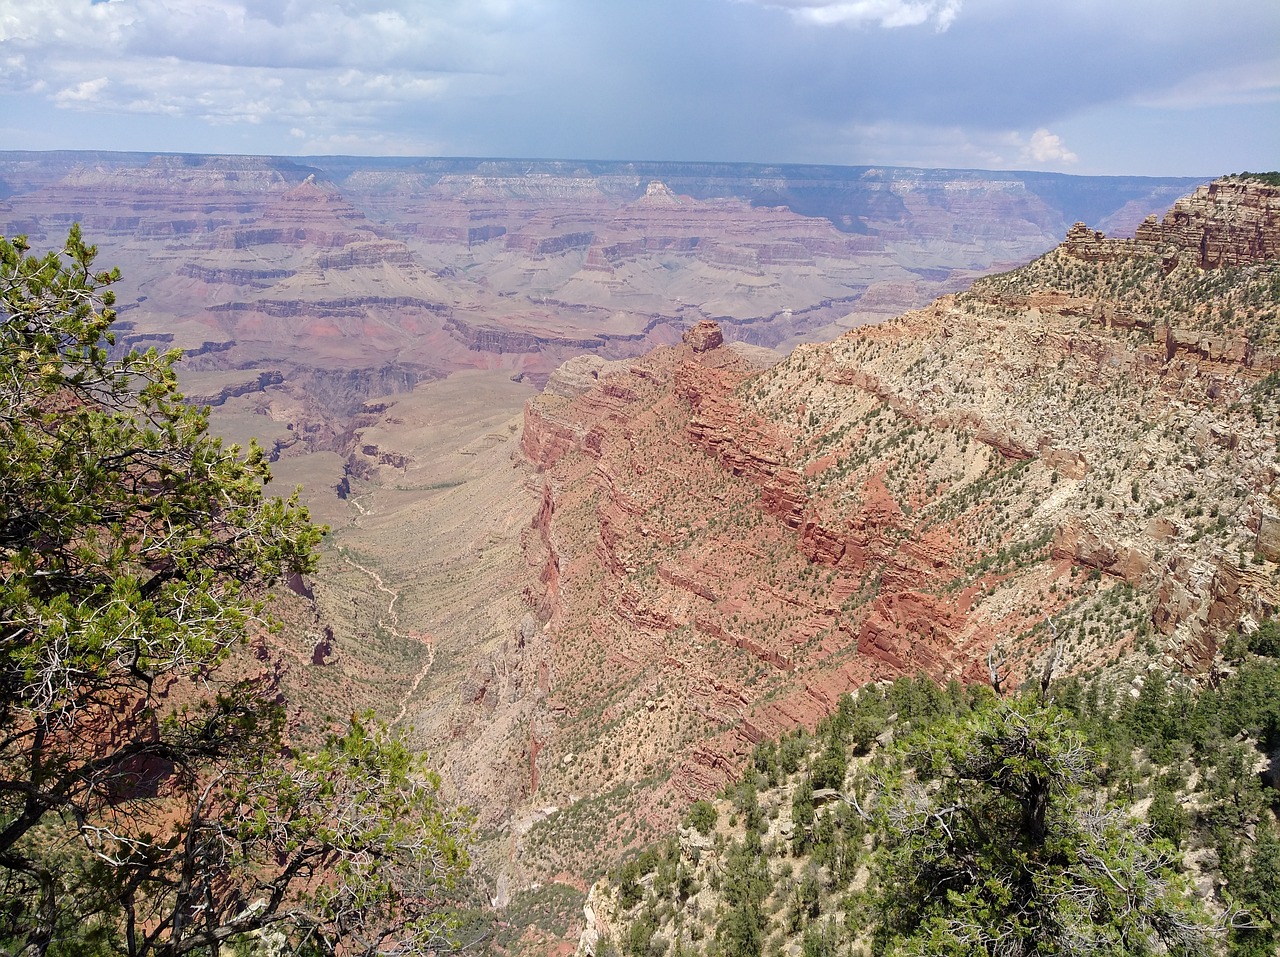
1045, 148
896, 143
855, 81
886, 13
37, 22
323, 67
445, 36
86, 91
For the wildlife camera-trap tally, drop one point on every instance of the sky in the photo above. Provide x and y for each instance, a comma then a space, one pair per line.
1147, 87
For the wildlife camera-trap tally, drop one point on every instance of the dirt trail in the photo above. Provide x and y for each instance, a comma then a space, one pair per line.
391, 623
417, 680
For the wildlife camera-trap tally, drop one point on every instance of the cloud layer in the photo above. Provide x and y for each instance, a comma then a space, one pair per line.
885, 13
1090, 86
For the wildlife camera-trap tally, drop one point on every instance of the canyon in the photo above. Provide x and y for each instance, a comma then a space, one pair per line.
396, 271
631, 466
683, 554
300, 288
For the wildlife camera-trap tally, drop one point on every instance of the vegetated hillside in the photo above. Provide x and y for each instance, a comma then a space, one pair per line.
1084, 447
901, 826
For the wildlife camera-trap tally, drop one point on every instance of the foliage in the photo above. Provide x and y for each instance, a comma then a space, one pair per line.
802, 817
746, 800
820, 940
702, 816
1166, 817
741, 930
992, 849
1266, 640
1271, 178
1221, 730
1257, 889
148, 803
829, 768
1188, 755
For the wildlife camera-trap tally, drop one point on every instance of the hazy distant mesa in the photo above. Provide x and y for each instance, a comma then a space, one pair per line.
425, 266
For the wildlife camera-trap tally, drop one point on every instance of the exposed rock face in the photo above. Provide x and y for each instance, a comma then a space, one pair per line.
658, 194
290, 274
580, 374
1230, 222
245, 386
1268, 542
704, 336
1089, 440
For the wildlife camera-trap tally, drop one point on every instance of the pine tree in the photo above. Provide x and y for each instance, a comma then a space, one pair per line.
992, 848
148, 802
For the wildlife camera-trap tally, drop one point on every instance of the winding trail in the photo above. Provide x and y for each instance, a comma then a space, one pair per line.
417, 680
392, 627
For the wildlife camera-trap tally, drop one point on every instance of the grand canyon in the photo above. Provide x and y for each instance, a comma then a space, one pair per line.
631, 467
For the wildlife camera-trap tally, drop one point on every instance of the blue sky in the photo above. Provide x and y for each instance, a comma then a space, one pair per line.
1158, 87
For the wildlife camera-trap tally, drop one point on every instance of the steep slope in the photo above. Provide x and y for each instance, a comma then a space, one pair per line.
848, 841
1084, 447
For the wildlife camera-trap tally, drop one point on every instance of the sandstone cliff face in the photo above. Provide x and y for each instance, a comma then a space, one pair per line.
1233, 221
1085, 448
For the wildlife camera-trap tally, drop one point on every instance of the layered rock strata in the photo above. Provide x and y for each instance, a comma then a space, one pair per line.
1079, 454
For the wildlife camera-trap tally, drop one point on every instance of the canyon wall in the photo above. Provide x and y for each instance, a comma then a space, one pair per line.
1074, 461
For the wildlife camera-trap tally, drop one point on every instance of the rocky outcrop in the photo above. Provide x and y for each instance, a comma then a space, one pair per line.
232, 276
548, 436
580, 374
312, 213
1079, 448
719, 427
366, 253
250, 384
1230, 222
500, 340
659, 195
345, 391
326, 308
704, 336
